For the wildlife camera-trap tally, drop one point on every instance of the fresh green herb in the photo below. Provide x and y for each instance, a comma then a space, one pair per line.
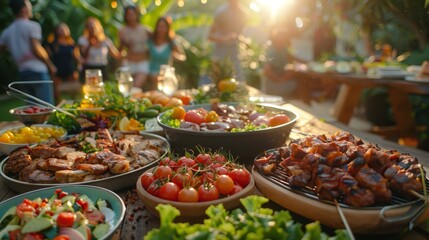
169, 121
88, 148
249, 127
65, 121
255, 223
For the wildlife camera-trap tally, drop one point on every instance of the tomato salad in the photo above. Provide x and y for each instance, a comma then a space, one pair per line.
224, 118
205, 177
63, 216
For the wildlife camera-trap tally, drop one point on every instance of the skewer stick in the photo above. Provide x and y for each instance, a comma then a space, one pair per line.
343, 218
418, 195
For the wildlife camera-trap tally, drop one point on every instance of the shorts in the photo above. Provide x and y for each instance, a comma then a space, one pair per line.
137, 67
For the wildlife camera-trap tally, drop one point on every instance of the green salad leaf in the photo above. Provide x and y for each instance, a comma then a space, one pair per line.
255, 223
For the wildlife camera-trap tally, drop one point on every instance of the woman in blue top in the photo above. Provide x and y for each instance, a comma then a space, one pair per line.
162, 50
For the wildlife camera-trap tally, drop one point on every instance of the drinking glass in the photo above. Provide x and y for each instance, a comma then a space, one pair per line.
167, 80
94, 85
125, 80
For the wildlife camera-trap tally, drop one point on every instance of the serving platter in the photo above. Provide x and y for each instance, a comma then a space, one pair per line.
94, 193
244, 145
380, 218
114, 182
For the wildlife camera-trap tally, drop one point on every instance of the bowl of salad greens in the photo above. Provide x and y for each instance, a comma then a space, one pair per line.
243, 129
79, 212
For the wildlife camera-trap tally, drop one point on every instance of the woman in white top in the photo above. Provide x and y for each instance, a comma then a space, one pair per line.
133, 38
95, 47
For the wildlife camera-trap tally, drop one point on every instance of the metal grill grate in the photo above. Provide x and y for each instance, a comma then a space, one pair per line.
279, 177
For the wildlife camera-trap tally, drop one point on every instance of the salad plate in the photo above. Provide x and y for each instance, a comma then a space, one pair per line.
113, 217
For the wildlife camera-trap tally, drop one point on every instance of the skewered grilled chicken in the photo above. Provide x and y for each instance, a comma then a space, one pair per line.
341, 167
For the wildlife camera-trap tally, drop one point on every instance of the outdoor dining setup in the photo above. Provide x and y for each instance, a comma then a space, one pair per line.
146, 138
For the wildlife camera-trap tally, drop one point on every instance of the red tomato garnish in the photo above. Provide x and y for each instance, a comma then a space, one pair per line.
66, 219
240, 176
83, 204
169, 191
224, 184
203, 158
62, 237
185, 161
188, 195
237, 188
162, 172
146, 179
182, 179
194, 116
278, 120
208, 192
23, 207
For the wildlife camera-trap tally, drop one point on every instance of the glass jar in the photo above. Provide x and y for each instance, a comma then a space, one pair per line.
94, 85
125, 80
167, 80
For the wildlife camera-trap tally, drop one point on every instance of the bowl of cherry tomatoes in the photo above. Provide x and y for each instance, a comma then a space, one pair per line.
193, 183
31, 114
244, 129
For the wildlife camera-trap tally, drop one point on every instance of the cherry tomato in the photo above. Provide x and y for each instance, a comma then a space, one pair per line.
83, 204
237, 188
196, 181
178, 112
186, 99
94, 216
188, 195
211, 117
224, 184
23, 207
208, 177
168, 162
146, 179
154, 187
62, 237
278, 120
169, 191
33, 236
185, 161
163, 172
203, 158
66, 219
240, 176
219, 158
194, 117
208, 192
221, 170
182, 179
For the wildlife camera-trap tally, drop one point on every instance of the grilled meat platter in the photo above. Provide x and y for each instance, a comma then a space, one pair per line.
84, 157
343, 168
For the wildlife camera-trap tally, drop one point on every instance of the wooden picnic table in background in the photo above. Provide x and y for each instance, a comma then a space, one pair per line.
138, 221
351, 89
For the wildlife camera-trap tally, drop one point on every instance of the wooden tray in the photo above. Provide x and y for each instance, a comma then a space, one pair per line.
389, 219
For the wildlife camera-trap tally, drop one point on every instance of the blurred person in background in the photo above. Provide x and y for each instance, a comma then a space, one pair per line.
163, 49
65, 55
22, 39
227, 26
278, 80
134, 37
95, 48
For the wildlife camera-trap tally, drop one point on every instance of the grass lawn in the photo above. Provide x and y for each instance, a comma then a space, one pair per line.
6, 104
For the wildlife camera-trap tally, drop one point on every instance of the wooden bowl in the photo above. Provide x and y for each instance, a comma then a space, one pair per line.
369, 220
192, 212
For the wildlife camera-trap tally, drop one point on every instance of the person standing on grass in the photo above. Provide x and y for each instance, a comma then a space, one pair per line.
22, 39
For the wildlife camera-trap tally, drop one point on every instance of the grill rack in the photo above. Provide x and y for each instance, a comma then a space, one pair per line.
279, 177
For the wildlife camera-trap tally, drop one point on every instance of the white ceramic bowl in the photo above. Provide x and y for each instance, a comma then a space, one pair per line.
7, 148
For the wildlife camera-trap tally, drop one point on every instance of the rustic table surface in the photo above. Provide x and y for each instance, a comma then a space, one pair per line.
138, 221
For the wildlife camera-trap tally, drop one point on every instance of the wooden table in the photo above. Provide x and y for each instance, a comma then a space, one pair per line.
138, 221
351, 88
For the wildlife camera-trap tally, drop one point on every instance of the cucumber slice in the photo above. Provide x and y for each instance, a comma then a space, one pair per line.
101, 230
37, 225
